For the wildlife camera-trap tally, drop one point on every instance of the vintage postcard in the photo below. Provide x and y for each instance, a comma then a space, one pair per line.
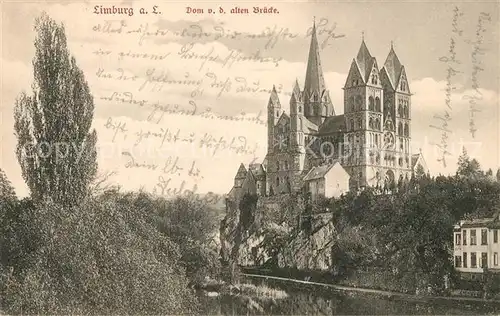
249, 157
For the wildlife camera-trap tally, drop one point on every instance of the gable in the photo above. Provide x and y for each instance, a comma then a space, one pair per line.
418, 159
373, 72
402, 83
385, 80
337, 171
353, 76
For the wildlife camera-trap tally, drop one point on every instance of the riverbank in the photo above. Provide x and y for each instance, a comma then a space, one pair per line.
387, 294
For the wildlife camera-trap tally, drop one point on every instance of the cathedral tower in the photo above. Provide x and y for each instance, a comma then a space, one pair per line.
363, 96
273, 114
297, 149
397, 109
317, 102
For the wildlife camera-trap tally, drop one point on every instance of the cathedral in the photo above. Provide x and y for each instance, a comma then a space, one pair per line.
311, 149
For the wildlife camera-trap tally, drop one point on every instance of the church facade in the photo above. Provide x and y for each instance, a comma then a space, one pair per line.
370, 141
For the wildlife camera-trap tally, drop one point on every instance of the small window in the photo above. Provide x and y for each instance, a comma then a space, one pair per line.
458, 261
377, 104
464, 239
495, 236
457, 239
484, 260
465, 259
495, 258
473, 240
484, 236
473, 260
300, 109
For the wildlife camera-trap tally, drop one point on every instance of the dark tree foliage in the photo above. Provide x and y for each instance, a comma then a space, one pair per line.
102, 257
411, 231
56, 148
6, 188
248, 205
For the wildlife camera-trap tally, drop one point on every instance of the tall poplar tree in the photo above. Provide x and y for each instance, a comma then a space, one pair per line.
6, 188
56, 146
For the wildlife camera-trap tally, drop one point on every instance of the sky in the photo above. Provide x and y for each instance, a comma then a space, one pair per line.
155, 68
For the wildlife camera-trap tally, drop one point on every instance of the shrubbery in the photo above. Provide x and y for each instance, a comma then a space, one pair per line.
103, 257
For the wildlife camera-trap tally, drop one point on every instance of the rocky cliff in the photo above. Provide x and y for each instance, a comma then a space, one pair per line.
277, 236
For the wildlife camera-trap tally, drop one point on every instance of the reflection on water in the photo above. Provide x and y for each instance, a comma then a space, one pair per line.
316, 300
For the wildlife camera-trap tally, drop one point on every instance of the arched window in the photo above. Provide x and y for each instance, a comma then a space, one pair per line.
360, 123
300, 123
352, 124
400, 110
377, 104
370, 123
359, 103
277, 113
400, 129
325, 110
407, 132
300, 109
406, 112
277, 165
277, 181
371, 104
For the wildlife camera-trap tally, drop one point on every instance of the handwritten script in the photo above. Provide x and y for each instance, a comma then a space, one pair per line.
477, 51
452, 62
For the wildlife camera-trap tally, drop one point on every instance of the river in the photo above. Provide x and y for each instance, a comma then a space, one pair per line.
302, 299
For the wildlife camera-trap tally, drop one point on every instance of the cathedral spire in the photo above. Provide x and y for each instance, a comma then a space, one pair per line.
393, 67
315, 83
364, 59
273, 98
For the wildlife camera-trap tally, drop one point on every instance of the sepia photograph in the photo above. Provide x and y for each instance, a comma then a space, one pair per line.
250, 157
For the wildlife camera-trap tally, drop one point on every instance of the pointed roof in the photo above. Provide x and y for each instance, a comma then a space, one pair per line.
332, 125
364, 60
314, 73
242, 172
257, 171
320, 171
418, 159
393, 67
273, 98
296, 88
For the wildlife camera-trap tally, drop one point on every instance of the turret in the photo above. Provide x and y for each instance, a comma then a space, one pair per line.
296, 118
273, 114
240, 176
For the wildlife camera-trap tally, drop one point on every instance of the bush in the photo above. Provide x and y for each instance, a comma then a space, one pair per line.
100, 258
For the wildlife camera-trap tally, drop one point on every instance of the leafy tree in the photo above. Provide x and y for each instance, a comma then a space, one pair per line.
102, 257
489, 173
468, 168
247, 206
56, 148
6, 188
419, 172
192, 226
